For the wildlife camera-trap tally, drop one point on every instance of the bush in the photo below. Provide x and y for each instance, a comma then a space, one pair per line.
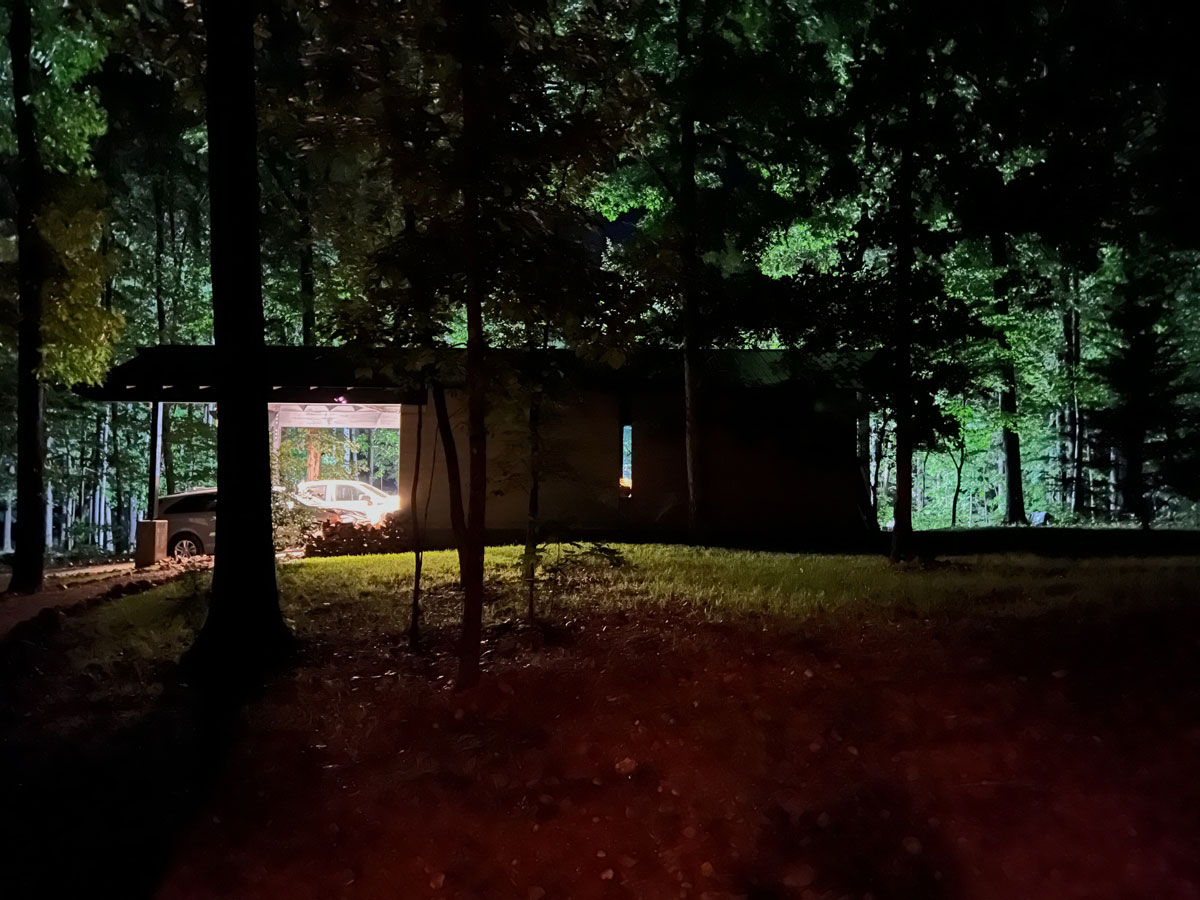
349, 539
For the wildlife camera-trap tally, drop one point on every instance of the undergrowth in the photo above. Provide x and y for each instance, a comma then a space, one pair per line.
355, 601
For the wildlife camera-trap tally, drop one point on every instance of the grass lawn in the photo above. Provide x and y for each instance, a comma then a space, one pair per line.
679, 723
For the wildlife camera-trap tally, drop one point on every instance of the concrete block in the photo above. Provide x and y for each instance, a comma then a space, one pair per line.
151, 544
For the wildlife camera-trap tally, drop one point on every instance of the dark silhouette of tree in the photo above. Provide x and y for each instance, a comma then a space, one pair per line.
29, 559
245, 626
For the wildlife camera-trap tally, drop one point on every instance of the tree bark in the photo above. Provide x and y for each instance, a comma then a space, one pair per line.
902, 370
245, 629
155, 461
414, 621
308, 287
958, 468
1075, 424
1014, 487
121, 518
29, 559
160, 308
1114, 484
458, 520
313, 450
881, 442
689, 257
474, 130
8, 517
529, 560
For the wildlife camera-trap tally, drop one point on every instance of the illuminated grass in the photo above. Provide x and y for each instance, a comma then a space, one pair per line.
366, 598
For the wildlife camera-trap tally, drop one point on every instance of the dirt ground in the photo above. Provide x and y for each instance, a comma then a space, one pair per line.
644, 756
666, 759
75, 587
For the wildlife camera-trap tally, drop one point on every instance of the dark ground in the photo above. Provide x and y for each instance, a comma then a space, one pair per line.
651, 757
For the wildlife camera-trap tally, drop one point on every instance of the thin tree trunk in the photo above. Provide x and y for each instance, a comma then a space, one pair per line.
29, 561
155, 467
1114, 484
529, 560
458, 521
308, 289
881, 442
371, 456
919, 478
8, 517
414, 621
245, 628
160, 309
958, 469
100, 501
313, 449
1080, 493
689, 257
1014, 487
474, 131
121, 503
905, 260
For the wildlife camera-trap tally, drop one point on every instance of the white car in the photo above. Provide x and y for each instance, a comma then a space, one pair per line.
356, 496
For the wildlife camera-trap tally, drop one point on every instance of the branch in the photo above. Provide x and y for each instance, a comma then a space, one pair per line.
295, 205
662, 177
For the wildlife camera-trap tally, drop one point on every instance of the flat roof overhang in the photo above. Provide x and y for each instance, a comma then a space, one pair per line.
324, 376
335, 415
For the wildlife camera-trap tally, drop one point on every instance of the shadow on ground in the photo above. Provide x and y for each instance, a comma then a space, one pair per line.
649, 756
93, 798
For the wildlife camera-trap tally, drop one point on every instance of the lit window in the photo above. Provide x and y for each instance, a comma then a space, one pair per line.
627, 461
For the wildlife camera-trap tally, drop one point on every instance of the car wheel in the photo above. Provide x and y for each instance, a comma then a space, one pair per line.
186, 546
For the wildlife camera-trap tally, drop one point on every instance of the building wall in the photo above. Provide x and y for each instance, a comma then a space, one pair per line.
778, 466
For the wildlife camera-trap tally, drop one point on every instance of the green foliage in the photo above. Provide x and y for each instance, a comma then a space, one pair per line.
67, 49
971, 182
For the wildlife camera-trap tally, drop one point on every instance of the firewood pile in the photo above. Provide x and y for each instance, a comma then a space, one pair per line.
351, 539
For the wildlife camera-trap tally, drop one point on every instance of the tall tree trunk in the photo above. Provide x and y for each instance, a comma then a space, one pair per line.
529, 559
245, 627
958, 470
308, 286
1134, 492
474, 137
1014, 487
120, 499
458, 519
33, 258
8, 517
1079, 487
689, 257
105, 514
881, 442
902, 368
414, 621
155, 466
312, 448
164, 337
919, 486
1114, 484
288, 52
1086, 488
